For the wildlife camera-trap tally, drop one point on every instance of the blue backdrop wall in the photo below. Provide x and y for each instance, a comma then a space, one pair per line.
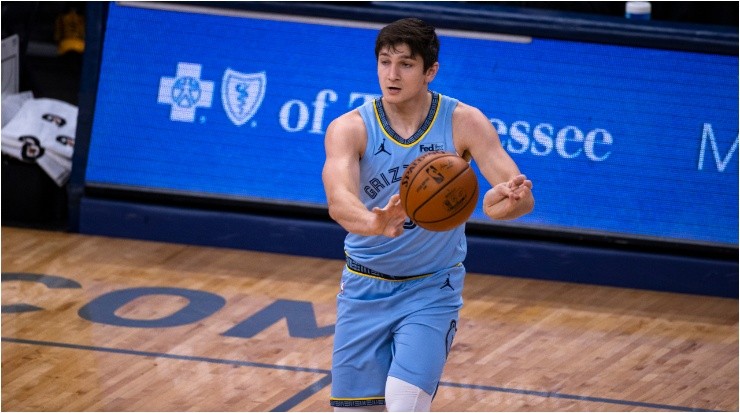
215, 117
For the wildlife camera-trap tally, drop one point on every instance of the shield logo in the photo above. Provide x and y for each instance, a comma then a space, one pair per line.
242, 94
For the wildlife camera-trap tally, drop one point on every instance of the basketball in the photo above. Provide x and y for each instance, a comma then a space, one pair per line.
439, 191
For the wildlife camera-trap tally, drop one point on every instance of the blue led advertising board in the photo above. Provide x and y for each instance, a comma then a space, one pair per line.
617, 140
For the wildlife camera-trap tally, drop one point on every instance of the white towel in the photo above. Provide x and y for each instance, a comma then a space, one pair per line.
43, 131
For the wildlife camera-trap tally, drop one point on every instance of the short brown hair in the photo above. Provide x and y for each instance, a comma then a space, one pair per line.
417, 34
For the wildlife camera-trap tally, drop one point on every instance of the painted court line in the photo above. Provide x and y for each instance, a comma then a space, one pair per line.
326, 380
574, 397
165, 355
303, 395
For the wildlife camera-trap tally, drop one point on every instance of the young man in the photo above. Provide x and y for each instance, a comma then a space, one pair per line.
401, 289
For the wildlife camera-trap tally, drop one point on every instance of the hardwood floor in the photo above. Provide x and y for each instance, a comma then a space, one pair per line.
105, 324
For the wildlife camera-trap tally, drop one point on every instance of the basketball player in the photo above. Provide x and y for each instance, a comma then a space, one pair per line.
401, 290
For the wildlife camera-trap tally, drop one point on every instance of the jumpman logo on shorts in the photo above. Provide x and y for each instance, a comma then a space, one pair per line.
447, 284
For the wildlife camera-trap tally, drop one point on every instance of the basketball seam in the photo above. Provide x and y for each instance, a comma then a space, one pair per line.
440, 189
404, 200
466, 204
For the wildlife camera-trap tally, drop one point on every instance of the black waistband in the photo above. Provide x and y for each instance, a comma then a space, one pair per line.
357, 267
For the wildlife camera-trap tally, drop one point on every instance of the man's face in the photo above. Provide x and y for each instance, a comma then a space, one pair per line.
401, 76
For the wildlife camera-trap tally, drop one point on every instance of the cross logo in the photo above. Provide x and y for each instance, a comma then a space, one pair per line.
185, 92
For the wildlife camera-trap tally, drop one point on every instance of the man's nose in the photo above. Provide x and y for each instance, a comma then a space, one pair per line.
393, 72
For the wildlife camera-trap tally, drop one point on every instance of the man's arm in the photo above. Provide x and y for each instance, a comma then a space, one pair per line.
511, 194
344, 144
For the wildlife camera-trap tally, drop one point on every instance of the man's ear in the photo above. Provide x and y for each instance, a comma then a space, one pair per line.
432, 72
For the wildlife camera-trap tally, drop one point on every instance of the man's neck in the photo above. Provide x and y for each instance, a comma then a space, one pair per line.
407, 117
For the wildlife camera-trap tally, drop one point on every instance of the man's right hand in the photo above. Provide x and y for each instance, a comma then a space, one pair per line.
389, 219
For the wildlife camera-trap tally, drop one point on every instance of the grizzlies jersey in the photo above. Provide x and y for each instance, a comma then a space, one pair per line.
416, 251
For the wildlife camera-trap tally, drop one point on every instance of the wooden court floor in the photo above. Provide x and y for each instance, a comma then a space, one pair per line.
105, 324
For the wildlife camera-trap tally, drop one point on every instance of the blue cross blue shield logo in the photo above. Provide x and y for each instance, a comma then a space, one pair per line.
185, 92
242, 94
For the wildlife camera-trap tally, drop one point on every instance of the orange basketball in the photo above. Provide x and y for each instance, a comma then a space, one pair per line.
439, 191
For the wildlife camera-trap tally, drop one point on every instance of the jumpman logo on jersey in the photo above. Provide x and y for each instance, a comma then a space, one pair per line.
382, 148
447, 284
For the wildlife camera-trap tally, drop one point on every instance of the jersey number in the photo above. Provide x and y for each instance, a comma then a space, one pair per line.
409, 224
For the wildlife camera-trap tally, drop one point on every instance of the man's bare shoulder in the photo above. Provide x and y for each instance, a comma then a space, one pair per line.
347, 132
465, 113
350, 123
469, 121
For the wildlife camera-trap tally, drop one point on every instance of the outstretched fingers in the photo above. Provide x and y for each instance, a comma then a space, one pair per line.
391, 217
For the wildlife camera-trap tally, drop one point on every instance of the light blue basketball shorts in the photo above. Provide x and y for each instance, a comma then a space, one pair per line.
392, 327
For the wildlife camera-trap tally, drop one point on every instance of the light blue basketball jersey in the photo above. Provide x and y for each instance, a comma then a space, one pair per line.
416, 251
